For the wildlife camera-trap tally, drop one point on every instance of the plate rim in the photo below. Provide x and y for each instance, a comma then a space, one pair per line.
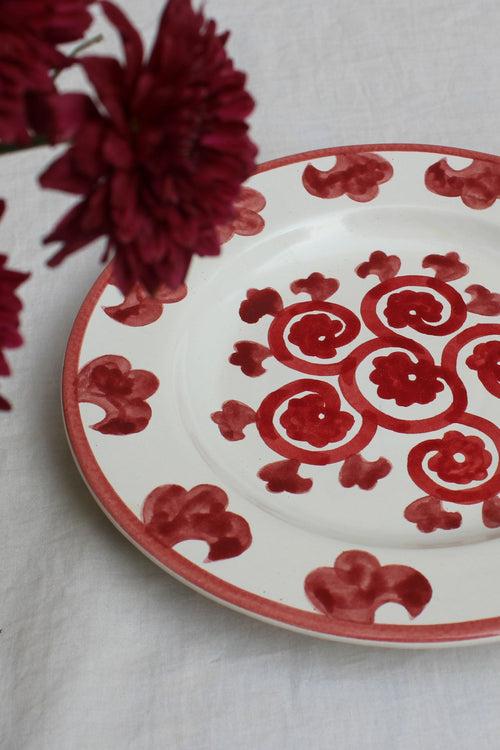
190, 573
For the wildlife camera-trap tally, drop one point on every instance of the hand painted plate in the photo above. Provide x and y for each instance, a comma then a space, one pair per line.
309, 432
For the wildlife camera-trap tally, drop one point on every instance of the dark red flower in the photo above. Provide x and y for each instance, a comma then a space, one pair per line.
485, 359
460, 458
404, 308
315, 335
10, 307
407, 382
29, 31
315, 421
160, 160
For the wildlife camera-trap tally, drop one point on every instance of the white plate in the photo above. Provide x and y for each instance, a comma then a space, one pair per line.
309, 435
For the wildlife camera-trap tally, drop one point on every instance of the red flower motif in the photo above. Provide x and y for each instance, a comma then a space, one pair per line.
448, 267
407, 307
283, 476
357, 585
356, 470
246, 220
260, 302
315, 420
173, 515
315, 335
428, 514
460, 459
380, 264
355, 175
405, 381
485, 359
10, 308
160, 159
109, 382
316, 285
232, 419
483, 302
29, 31
140, 308
249, 355
491, 512
478, 185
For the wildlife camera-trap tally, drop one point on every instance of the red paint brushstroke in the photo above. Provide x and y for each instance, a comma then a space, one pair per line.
407, 382
329, 398
233, 418
448, 267
357, 585
316, 334
483, 302
139, 308
247, 221
428, 514
316, 420
357, 471
485, 359
478, 185
356, 175
172, 515
260, 302
249, 355
491, 512
380, 264
109, 382
319, 287
283, 476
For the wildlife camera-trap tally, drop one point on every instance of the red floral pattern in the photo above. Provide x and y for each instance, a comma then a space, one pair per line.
110, 382
406, 308
407, 382
283, 476
357, 585
172, 515
139, 308
379, 264
460, 458
478, 185
260, 302
315, 335
315, 420
485, 359
483, 302
233, 418
491, 512
246, 220
448, 267
428, 514
318, 287
249, 356
357, 471
356, 175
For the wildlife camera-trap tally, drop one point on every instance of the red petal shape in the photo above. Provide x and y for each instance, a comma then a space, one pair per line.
283, 476
483, 301
448, 267
428, 514
380, 264
233, 418
491, 512
316, 285
172, 515
355, 175
260, 302
140, 308
357, 585
365, 474
249, 355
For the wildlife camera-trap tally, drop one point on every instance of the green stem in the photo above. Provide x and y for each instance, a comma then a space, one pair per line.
9, 148
79, 48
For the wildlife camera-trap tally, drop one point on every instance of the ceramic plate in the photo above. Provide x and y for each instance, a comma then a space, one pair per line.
308, 432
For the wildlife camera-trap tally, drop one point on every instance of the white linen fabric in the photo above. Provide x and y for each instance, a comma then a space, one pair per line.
100, 649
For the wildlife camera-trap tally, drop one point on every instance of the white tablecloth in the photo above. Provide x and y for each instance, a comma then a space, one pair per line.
101, 650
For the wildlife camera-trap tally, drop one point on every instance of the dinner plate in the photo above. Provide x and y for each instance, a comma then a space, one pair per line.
307, 431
